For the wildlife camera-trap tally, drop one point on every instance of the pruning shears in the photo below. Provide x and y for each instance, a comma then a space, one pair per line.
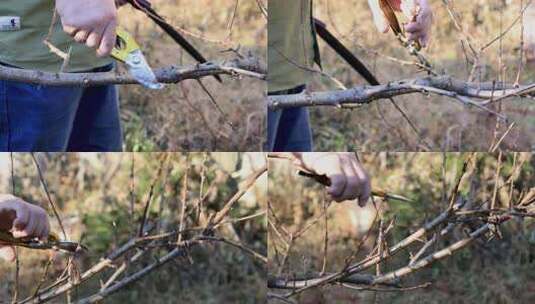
145, 7
127, 51
324, 180
392, 19
52, 242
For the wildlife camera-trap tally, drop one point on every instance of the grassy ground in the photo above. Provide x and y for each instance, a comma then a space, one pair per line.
93, 196
182, 117
497, 271
444, 122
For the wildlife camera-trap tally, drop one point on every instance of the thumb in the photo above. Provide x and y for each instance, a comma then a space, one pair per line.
7, 253
379, 18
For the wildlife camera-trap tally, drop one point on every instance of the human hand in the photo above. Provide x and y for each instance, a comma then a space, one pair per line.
22, 219
348, 178
419, 12
95, 27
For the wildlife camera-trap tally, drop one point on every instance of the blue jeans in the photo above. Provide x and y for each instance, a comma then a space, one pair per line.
289, 129
59, 118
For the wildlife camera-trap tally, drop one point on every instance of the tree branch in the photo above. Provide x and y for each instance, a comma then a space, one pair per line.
440, 85
250, 67
299, 282
101, 295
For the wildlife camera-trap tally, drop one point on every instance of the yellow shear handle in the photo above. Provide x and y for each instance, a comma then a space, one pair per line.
125, 45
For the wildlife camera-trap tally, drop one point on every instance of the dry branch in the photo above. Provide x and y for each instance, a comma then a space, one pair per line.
220, 215
130, 253
250, 67
378, 258
486, 220
101, 295
426, 261
299, 282
351, 275
440, 85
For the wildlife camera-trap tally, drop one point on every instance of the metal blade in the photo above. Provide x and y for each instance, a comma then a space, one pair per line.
139, 68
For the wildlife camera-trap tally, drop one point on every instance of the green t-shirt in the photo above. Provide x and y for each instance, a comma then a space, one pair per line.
24, 25
292, 45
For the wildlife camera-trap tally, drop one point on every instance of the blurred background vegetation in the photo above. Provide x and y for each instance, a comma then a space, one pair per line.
182, 117
93, 194
446, 123
497, 271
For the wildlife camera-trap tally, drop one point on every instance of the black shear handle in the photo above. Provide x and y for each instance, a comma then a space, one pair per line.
344, 52
322, 179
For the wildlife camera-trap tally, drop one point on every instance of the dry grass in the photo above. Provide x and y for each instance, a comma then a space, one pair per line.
447, 124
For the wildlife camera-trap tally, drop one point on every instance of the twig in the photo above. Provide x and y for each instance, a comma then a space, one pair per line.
163, 160
249, 182
101, 295
47, 192
250, 251
183, 200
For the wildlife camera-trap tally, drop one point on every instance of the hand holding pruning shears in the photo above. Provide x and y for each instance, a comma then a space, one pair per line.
347, 179
21, 220
95, 26
418, 12
26, 225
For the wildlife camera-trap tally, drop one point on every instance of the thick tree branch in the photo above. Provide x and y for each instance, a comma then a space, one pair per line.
440, 85
250, 67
